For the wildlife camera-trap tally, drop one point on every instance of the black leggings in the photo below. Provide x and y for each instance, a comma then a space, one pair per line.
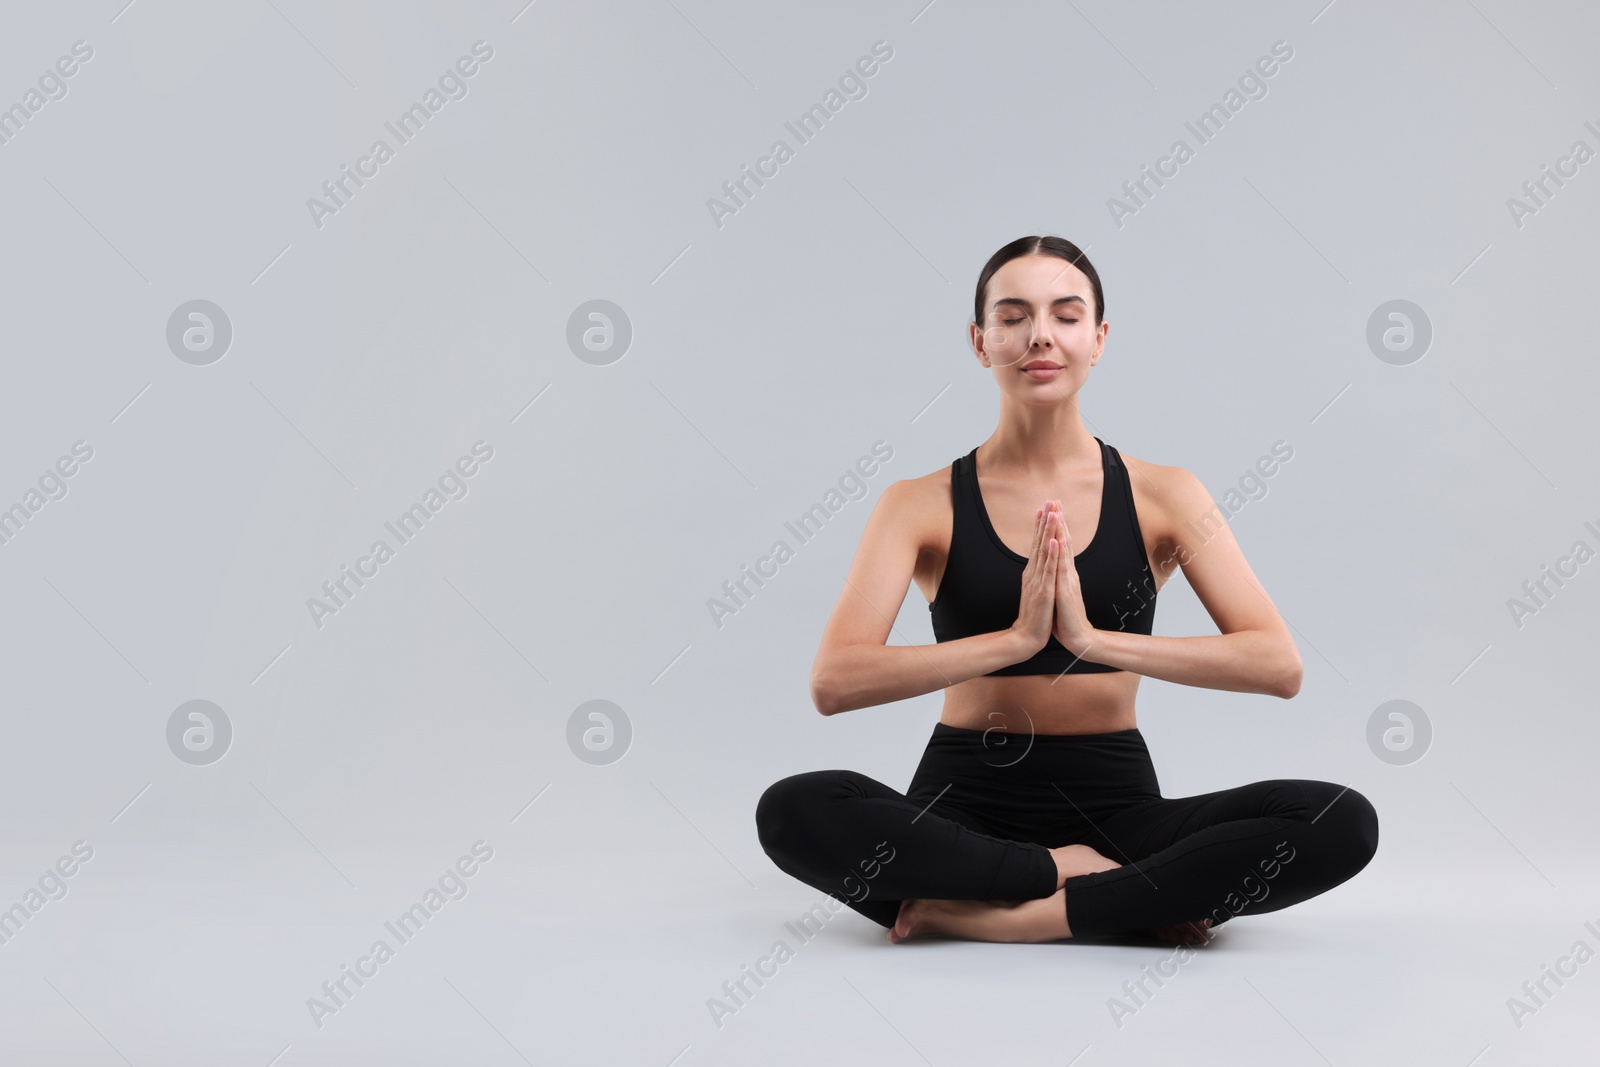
984, 808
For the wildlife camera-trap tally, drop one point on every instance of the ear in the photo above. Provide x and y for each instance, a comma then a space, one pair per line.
975, 336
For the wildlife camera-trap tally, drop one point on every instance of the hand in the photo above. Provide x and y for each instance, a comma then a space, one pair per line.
1071, 626
1036, 611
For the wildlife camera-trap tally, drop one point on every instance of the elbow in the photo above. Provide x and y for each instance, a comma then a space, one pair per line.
822, 692
1289, 676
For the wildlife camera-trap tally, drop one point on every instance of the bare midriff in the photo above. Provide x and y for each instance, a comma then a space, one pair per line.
1044, 703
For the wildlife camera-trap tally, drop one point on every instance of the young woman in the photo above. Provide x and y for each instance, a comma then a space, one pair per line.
1035, 813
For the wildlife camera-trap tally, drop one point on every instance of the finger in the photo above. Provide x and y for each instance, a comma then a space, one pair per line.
1061, 523
1065, 564
1033, 552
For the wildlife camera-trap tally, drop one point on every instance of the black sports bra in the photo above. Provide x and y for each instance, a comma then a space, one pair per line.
981, 588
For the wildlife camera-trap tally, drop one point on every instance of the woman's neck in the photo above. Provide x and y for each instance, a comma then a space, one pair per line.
1040, 439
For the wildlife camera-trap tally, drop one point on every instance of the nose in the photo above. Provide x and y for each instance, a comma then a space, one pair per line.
1041, 337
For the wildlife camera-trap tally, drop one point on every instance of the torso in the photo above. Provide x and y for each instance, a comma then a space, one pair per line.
1041, 703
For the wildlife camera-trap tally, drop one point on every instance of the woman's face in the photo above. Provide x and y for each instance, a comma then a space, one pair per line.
1038, 332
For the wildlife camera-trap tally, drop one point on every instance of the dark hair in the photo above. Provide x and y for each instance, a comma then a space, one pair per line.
1040, 246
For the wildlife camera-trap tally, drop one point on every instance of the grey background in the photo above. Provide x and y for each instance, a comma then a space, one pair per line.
767, 356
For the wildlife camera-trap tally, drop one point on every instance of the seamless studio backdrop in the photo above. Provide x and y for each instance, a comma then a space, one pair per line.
399, 399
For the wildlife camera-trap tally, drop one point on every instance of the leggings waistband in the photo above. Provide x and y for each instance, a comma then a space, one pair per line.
1115, 764
941, 729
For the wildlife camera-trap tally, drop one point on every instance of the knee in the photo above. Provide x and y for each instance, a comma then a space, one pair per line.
791, 806
1349, 823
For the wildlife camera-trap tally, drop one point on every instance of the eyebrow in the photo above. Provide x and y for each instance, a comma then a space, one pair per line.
1019, 302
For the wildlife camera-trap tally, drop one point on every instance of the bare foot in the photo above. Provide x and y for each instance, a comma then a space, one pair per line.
1029, 921
1073, 860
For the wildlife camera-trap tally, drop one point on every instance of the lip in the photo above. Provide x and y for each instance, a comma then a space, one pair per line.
1042, 370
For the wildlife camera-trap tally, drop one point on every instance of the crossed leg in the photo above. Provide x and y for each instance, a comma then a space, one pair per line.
1193, 863
871, 846
1164, 863
1246, 850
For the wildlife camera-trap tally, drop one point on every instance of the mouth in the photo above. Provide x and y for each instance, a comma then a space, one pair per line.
1042, 369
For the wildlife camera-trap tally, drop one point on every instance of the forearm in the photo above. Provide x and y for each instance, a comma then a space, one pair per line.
860, 676
1246, 661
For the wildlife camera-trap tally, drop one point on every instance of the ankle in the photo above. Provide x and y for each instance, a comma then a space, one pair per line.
1074, 860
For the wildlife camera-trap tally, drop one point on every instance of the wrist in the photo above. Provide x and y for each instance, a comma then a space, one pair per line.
1081, 643
1019, 645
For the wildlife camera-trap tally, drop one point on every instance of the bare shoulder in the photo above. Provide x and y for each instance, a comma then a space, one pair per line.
1194, 534
917, 515
1168, 499
921, 507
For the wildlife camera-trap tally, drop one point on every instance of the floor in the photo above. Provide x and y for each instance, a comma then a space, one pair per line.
216, 952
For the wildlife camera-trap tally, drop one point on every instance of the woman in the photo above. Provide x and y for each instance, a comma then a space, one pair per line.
1035, 813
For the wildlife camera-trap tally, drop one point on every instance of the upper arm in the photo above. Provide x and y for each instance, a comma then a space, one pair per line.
880, 574
1212, 560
